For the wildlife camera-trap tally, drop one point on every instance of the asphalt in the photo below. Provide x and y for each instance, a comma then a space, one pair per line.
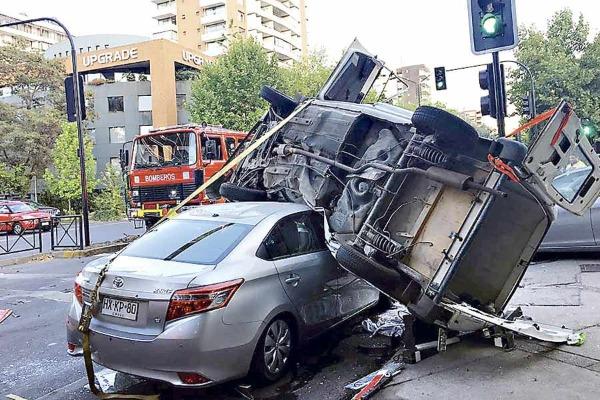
100, 232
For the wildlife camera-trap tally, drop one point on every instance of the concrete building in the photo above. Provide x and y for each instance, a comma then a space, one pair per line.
472, 116
206, 25
39, 36
133, 82
415, 77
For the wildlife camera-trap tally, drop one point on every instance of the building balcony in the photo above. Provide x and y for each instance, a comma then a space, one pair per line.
213, 36
213, 19
211, 3
169, 35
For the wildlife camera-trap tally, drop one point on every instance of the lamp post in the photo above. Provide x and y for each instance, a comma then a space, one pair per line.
78, 113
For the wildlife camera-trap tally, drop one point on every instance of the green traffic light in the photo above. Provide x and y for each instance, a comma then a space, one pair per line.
589, 129
491, 24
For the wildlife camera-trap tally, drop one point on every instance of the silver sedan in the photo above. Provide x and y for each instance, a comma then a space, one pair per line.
216, 293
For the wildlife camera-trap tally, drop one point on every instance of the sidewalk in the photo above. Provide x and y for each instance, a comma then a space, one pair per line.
553, 292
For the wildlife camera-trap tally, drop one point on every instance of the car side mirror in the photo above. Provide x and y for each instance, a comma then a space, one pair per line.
124, 158
211, 149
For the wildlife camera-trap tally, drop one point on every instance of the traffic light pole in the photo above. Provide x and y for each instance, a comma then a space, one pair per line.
499, 87
78, 112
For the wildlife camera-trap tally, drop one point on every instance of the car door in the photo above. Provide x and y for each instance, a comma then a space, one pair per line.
562, 165
306, 269
595, 220
569, 231
4, 218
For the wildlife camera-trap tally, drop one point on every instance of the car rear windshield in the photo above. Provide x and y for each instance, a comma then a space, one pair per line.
189, 241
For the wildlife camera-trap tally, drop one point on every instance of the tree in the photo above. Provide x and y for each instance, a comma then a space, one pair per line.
64, 179
13, 180
564, 63
227, 91
30, 76
307, 76
109, 204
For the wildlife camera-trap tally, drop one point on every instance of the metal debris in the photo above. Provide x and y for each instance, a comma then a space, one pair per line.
389, 323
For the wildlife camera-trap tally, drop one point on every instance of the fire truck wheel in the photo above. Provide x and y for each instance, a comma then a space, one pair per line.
234, 192
447, 128
283, 105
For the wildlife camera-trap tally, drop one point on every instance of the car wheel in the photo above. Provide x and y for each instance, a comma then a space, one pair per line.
17, 229
284, 105
274, 352
447, 128
234, 192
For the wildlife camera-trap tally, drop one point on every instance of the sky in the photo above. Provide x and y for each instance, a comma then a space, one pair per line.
400, 32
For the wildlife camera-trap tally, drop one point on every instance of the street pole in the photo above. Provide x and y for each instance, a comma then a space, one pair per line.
81, 151
499, 88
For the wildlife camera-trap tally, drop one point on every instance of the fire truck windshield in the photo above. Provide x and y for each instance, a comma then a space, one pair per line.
169, 149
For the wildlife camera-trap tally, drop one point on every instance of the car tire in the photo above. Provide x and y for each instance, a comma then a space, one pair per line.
393, 283
283, 105
17, 229
280, 333
447, 128
234, 192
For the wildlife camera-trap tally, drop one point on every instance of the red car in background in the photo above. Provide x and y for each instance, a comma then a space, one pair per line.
17, 217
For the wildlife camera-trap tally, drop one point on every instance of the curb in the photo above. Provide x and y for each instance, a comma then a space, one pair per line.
65, 254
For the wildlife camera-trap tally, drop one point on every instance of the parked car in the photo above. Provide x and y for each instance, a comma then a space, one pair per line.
217, 292
418, 204
570, 232
53, 211
17, 217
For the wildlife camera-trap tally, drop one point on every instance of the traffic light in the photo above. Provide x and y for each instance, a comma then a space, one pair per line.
440, 78
527, 109
486, 82
589, 129
493, 25
70, 96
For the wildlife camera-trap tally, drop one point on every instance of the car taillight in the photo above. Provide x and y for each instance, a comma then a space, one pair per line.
78, 291
201, 299
191, 378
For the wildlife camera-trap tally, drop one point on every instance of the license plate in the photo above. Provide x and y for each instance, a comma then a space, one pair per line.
120, 308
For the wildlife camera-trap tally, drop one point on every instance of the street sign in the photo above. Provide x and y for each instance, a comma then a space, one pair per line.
493, 25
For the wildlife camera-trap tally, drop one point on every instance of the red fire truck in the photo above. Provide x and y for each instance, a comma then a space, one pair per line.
168, 164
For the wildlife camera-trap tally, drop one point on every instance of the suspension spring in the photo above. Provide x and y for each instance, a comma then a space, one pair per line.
430, 154
384, 244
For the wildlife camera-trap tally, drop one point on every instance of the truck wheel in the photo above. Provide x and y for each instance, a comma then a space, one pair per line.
234, 192
447, 128
283, 105
393, 283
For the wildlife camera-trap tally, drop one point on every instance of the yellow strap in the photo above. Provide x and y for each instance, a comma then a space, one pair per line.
87, 314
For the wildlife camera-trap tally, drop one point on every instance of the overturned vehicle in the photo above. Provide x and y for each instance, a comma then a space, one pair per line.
418, 204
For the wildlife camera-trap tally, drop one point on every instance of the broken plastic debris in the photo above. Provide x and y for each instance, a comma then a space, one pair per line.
389, 323
576, 339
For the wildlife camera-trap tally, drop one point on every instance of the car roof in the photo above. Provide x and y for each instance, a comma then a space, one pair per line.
249, 213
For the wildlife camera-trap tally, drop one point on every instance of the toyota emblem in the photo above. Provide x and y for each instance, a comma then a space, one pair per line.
118, 282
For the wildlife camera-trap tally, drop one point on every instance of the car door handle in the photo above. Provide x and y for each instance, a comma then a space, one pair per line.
293, 279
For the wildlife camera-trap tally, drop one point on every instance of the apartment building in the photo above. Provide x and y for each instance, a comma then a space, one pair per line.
38, 36
207, 25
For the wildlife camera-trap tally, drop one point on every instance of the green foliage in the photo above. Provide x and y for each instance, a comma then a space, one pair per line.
32, 77
13, 180
64, 179
226, 91
564, 63
109, 204
307, 76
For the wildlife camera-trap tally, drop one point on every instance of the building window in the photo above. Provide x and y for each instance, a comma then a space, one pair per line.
180, 101
116, 134
115, 104
214, 27
214, 11
144, 129
144, 103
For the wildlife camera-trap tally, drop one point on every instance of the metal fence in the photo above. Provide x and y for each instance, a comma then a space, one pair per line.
22, 235
67, 232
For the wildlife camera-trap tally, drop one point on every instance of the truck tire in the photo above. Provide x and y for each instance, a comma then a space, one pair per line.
447, 128
234, 192
283, 105
388, 280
